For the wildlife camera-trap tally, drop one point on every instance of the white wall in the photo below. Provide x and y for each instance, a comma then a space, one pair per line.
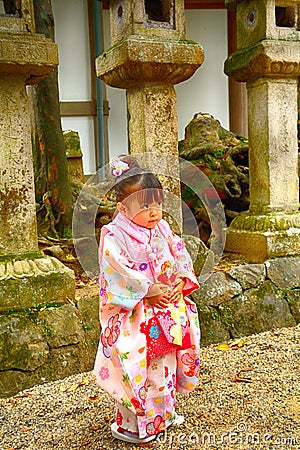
117, 119
206, 91
74, 71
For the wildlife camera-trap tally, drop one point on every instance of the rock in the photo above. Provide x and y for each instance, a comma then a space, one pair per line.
88, 308
259, 309
30, 282
74, 155
293, 299
284, 272
223, 157
61, 326
66, 361
62, 362
202, 257
14, 381
213, 330
248, 275
216, 290
22, 344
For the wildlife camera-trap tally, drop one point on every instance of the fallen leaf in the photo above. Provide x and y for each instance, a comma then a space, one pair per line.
107, 418
71, 301
224, 347
23, 395
242, 342
95, 427
241, 380
247, 369
238, 344
73, 387
93, 398
15, 448
63, 388
69, 257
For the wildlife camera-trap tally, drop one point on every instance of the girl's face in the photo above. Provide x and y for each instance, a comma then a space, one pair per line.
144, 214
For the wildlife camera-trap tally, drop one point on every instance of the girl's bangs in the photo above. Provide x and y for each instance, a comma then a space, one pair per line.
149, 195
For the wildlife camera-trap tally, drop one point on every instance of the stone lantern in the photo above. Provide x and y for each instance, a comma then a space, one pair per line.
268, 59
27, 277
149, 54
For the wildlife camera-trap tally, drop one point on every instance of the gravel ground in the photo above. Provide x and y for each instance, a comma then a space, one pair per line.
247, 398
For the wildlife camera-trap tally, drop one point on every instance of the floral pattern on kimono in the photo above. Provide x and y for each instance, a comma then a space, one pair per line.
132, 259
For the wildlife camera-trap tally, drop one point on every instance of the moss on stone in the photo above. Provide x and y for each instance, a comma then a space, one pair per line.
20, 256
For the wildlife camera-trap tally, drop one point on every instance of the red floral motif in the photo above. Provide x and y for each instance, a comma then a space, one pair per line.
112, 331
167, 274
143, 327
158, 345
157, 426
119, 418
135, 402
192, 363
140, 409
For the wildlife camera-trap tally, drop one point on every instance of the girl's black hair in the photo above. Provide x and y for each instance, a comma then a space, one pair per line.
137, 180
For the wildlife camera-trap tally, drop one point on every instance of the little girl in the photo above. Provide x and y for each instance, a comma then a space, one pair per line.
150, 338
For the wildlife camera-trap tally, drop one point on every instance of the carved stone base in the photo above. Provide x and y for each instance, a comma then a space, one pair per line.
261, 237
30, 282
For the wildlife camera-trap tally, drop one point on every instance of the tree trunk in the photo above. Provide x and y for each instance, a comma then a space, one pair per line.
52, 187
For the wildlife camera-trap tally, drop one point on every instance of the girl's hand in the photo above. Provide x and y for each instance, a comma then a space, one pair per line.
177, 290
157, 296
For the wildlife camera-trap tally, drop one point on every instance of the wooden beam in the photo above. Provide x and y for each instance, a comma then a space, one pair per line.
193, 4
238, 110
197, 4
68, 109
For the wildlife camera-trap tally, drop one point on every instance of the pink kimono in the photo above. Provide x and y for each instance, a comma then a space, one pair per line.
145, 354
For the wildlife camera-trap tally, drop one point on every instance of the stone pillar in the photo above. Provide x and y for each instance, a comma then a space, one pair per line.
18, 233
150, 54
27, 277
268, 59
74, 155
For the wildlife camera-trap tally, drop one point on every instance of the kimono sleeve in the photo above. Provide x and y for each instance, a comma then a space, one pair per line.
184, 264
120, 284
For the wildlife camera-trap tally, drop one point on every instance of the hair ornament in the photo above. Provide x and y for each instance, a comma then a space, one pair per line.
118, 166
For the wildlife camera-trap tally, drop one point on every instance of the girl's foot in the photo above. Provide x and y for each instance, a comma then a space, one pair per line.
124, 437
178, 420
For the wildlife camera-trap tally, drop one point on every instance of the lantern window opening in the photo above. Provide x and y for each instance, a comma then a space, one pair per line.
159, 13
285, 16
11, 8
